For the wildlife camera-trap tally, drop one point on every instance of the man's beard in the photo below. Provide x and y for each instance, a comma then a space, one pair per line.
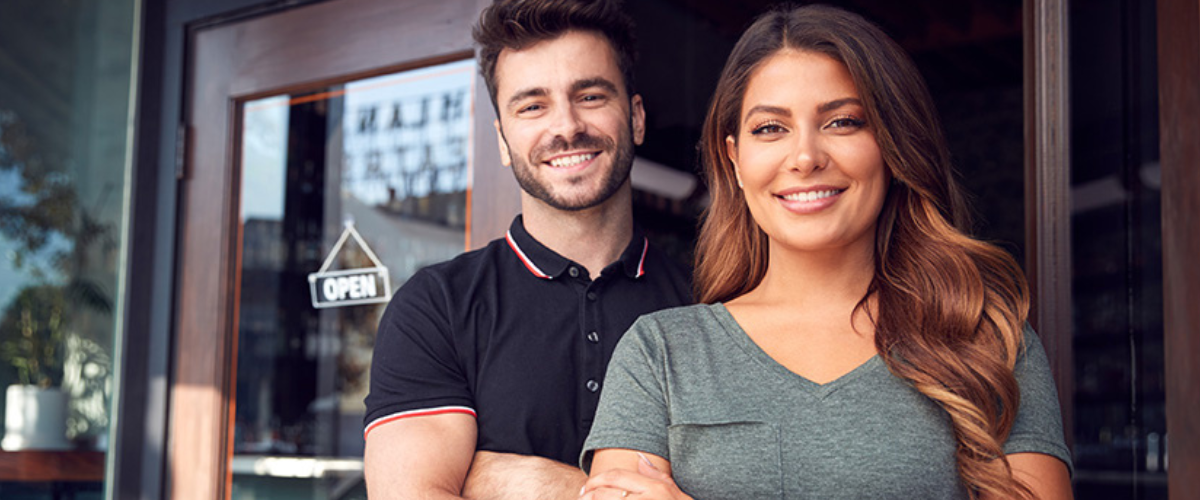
622, 163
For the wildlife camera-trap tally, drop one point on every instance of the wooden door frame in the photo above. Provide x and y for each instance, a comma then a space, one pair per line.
1048, 217
1047, 190
1179, 128
303, 48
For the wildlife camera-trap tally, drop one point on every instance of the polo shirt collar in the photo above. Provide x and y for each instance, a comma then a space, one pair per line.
545, 263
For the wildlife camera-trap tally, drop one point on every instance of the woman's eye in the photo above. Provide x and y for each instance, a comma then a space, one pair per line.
767, 128
847, 123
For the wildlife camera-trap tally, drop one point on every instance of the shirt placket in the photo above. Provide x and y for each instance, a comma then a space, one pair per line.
593, 359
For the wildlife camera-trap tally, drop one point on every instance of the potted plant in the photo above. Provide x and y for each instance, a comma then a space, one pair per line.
32, 329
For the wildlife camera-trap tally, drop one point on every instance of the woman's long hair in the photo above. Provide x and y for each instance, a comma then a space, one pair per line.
951, 309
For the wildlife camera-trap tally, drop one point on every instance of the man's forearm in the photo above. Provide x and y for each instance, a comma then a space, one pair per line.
506, 476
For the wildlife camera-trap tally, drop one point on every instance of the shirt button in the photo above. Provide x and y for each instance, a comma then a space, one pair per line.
573, 271
593, 337
591, 295
593, 386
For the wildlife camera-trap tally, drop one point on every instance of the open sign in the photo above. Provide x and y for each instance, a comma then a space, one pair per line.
348, 287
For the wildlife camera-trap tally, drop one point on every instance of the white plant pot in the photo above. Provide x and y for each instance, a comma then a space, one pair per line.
35, 418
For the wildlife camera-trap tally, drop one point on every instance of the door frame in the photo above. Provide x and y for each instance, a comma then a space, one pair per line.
1179, 125
303, 48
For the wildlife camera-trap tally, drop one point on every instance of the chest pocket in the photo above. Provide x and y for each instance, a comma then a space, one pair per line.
727, 460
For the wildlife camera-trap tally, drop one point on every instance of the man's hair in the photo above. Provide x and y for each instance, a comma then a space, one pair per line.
517, 24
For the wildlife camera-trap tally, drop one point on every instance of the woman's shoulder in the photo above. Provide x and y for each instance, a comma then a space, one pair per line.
689, 315
681, 324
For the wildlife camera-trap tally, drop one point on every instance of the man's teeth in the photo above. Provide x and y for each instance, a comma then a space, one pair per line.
811, 195
569, 161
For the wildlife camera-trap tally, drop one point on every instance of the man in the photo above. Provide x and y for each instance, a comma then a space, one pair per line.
491, 364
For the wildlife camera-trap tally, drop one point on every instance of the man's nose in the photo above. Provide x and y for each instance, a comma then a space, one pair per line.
566, 122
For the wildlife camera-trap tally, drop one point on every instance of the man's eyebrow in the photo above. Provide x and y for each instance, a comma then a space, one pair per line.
588, 83
835, 104
525, 94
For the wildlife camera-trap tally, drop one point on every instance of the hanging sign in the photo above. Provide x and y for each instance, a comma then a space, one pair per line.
349, 287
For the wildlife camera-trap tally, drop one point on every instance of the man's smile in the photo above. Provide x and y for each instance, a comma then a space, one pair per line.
571, 160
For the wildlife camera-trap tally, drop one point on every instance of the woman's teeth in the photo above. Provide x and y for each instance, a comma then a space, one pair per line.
811, 195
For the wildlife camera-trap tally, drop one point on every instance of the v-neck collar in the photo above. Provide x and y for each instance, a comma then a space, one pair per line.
756, 352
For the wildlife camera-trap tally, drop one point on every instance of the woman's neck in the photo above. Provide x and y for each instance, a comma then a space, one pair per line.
804, 279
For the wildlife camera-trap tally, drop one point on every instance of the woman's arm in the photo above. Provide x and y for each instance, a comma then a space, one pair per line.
619, 472
1047, 476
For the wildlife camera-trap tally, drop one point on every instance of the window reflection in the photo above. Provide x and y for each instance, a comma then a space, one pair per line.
389, 155
64, 159
1120, 412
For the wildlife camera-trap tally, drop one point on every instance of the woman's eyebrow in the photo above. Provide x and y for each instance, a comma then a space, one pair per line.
823, 108
835, 104
768, 109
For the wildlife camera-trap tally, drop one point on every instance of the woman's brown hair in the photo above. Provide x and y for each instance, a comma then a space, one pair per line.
951, 309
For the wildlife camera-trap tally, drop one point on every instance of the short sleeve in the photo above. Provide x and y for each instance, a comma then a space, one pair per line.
632, 412
415, 368
1038, 427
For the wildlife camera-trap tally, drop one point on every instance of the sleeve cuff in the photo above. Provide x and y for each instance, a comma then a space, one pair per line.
645, 443
422, 412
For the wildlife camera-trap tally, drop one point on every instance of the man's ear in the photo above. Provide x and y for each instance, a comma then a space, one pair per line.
505, 157
731, 152
637, 118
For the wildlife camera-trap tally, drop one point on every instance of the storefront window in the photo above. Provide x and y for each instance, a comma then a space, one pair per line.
1120, 419
346, 192
65, 125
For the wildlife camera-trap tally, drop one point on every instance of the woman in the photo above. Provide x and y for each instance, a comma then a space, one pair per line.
853, 342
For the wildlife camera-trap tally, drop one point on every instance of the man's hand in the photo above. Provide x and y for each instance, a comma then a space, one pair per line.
506, 476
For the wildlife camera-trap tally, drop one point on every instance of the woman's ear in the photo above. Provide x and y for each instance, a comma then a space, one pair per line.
731, 152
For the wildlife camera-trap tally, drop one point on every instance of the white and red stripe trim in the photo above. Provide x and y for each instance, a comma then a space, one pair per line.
417, 413
642, 261
533, 268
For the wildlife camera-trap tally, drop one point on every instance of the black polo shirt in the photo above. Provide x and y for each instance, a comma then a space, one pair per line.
517, 336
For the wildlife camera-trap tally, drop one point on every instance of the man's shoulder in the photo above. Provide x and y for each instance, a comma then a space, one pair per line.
465, 265
444, 281
670, 275
675, 266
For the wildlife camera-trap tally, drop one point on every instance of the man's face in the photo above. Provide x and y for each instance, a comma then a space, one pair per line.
566, 124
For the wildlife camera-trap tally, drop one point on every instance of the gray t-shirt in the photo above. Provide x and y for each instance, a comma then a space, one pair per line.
689, 385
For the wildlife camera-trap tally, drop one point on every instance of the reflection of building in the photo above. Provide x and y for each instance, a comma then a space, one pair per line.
322, 356
1001, 72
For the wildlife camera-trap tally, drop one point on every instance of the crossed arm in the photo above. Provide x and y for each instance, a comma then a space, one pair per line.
617, 473
433, 458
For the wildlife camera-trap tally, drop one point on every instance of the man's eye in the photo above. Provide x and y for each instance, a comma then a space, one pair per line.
530, 108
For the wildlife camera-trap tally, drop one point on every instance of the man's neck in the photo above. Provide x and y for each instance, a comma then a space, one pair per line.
594, 237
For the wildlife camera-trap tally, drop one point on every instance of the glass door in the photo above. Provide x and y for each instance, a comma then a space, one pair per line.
346, 192
332, 149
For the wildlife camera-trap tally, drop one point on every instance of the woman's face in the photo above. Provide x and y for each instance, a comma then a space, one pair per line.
805, 156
